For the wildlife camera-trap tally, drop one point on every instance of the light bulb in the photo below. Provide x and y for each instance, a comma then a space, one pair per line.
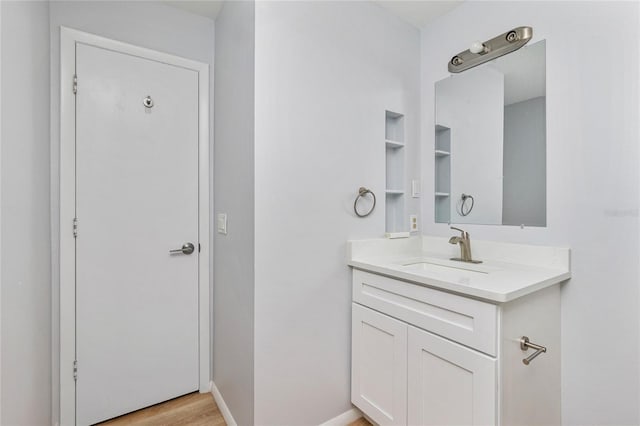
476, 47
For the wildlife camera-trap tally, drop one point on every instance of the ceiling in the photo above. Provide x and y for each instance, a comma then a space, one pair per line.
416, 12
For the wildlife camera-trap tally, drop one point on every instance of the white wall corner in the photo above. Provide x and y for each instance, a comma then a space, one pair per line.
226, 413
345, 418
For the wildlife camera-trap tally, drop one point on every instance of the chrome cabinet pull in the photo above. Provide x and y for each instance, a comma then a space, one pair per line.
525, 344
187, 248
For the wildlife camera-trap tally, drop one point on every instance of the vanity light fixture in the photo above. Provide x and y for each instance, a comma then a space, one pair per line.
480, 53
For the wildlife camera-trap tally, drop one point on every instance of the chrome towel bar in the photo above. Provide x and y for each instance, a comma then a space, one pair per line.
525, 344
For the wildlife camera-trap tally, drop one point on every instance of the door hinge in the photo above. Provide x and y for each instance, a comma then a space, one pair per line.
75, 370
75, 227
75, 84
199, 248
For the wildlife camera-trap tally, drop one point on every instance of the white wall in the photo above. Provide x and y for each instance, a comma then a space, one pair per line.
233, 371
471, 104
325, 73
25, 263
145, 24
592, 186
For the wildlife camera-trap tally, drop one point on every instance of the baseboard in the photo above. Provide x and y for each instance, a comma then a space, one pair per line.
345, 418
228, 418
341, 420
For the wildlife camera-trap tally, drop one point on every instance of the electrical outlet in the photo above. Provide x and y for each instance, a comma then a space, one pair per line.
413, 223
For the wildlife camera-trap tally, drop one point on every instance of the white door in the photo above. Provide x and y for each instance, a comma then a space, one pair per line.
449, 384
136, 199
379, 366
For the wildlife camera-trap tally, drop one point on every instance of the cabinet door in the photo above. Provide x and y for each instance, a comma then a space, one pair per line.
449, 384
379, 366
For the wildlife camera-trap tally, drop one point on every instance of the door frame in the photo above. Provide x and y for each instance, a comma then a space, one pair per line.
68, 40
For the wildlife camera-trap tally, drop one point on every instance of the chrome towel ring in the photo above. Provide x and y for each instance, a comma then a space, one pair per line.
361, 193
463, 207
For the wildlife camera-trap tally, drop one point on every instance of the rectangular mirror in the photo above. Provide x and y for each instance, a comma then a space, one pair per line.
490, 142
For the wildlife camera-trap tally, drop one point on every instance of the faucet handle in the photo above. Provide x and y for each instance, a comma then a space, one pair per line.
464, 233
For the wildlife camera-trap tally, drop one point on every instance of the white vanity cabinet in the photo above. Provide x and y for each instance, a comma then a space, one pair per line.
422, 356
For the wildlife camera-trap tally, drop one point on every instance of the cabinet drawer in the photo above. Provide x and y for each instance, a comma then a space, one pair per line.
467, 321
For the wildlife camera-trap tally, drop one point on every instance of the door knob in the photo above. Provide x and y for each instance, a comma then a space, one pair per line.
187, 248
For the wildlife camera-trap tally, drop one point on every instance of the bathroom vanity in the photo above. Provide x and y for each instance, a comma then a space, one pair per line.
437, 342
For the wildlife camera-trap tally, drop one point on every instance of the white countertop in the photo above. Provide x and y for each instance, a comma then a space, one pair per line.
508, 271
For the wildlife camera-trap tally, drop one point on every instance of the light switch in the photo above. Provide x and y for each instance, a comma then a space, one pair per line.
222, 223
415, 188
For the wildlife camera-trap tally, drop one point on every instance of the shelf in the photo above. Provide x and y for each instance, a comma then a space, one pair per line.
442, 209
442, 173
392, 235
394, 126
395, 220
443, 139
393, 144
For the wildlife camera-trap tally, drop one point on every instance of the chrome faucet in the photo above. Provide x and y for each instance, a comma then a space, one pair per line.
465, 246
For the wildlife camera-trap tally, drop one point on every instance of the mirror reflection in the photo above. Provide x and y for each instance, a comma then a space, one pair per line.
490, 142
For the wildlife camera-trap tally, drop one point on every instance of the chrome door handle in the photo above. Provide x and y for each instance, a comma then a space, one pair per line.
187, 248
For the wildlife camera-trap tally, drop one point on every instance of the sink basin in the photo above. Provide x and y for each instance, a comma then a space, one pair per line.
441, 265
508, 271
430, 267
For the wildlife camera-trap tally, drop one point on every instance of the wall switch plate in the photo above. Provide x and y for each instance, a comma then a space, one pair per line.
222, 223
413, 223
415, 188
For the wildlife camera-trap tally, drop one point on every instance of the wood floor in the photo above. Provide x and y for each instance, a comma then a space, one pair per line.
360, 422
195, 409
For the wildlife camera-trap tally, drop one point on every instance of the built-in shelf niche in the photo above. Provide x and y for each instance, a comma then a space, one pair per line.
393, 144
395, 173
442, 174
